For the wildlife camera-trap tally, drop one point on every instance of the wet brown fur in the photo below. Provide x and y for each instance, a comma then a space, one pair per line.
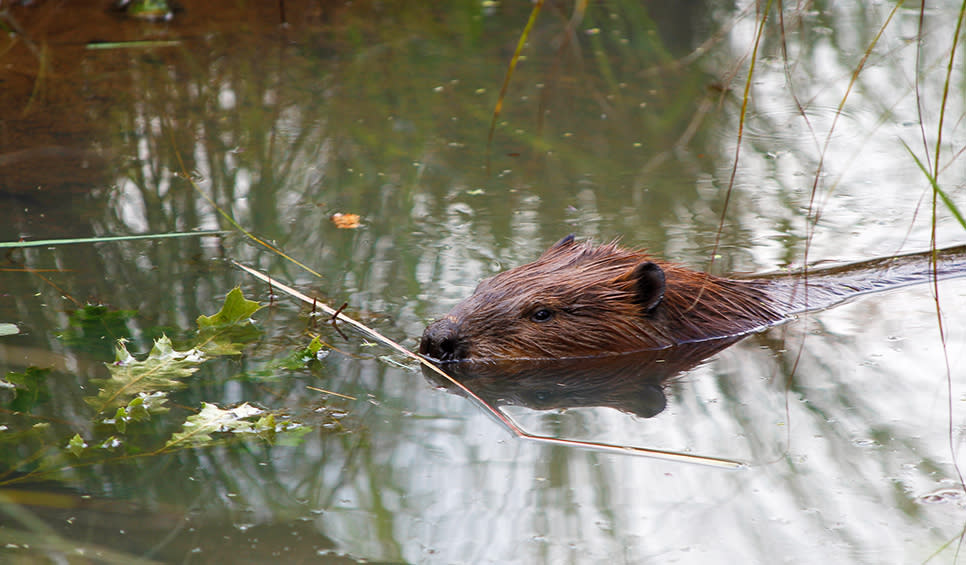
599, 305
607, 299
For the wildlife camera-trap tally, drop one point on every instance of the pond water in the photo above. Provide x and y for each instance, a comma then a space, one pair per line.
279, 115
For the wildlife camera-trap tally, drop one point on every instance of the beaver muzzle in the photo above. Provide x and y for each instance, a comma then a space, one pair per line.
441, 340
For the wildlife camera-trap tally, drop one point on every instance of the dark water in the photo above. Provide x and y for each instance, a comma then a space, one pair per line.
618, 129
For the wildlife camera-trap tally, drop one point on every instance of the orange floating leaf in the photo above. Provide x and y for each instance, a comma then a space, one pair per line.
345, 221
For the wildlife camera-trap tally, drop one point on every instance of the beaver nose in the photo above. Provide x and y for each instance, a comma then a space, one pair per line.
441, 340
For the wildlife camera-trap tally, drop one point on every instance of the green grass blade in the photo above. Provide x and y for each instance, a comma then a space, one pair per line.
935, 186
104, 45
52, 242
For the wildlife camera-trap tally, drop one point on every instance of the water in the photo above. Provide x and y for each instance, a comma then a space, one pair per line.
383, 111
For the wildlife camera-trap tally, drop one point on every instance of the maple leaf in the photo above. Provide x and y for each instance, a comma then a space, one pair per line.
197, 429
224, 332
164, 369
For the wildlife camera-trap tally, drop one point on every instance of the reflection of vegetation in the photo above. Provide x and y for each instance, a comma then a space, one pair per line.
28, 388
334, 139
95, 327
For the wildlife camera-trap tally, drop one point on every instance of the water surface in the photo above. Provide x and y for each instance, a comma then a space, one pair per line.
617, 128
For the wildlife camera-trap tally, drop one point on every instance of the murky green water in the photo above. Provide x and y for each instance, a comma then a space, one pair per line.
619, 129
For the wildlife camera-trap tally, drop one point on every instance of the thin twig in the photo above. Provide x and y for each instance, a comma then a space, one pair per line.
335, 319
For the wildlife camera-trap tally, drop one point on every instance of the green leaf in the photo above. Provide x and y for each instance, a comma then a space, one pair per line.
141, 408
76, 445
299, 359
224, 333
197, 429
314, 346
266, 422
121, 419
245, 421
162, 370
237, 310
165, 368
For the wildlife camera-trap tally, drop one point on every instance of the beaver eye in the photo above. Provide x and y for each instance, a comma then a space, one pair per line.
542, 315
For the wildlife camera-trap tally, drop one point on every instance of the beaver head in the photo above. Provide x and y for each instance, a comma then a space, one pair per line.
582, 300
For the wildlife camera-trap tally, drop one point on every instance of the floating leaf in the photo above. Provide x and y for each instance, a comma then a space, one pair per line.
197, 429
266, 422
225, 332
345, 221
121, 419
236, 310
162, 370
314, 351
139, 409
76, 445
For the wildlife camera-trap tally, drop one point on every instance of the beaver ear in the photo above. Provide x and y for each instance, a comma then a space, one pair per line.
565, 242
650, 283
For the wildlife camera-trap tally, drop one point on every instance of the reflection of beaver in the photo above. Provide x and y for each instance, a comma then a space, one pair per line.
632, 383
581, 300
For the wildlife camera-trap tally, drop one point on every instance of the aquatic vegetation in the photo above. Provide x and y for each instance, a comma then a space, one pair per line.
131, 414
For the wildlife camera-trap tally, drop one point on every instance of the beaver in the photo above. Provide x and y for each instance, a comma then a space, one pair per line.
584, 300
